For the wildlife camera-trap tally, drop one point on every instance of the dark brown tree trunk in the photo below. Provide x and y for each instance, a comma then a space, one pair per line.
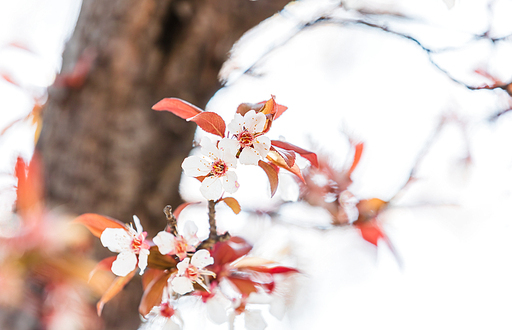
104, 149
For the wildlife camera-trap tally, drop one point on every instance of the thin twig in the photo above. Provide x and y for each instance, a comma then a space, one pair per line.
171, 220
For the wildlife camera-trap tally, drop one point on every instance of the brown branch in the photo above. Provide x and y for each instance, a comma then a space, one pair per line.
172, 223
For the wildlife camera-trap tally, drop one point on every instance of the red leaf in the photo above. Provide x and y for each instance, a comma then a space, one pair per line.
272, 176
105, 264
287, 155
230, 250
232, 203
153, 294
244, 285
357, 157
160, 261
210, 122
117, 285
149, 275
370, 231
279, 161
280, 110
311, 156
30, 187
180, 108
273, 270
98, 223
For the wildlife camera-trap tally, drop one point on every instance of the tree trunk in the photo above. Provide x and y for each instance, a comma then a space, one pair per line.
103, 148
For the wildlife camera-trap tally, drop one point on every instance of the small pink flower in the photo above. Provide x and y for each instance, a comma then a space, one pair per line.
191, 271
179, 245
248, 132
128, 243
214, 165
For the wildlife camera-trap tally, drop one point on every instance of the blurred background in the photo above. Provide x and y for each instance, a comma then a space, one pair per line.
424, 85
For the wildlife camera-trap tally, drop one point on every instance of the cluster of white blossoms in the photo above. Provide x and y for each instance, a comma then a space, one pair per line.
215, 165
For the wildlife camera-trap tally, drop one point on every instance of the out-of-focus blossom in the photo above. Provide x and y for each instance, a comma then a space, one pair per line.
248, 132
178, 245
214, 166
128, 243
191, 271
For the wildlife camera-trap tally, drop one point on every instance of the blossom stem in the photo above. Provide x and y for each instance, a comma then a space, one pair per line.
171, 220
211, 220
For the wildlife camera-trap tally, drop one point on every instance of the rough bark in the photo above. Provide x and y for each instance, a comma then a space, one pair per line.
103, 149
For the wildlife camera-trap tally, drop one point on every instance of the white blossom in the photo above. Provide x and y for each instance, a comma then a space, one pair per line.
179, 245
129, 243
190, 271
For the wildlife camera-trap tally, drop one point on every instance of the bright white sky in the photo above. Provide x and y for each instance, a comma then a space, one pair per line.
451, 228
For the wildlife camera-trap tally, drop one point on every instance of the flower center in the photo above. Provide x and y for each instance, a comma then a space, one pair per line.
138, 242
219, 168
192, 272
245, 139
180, 245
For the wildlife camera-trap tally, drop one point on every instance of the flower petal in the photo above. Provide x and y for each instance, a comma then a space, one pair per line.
211, 188
138, 226
182, 266
182, 285
165, 242
209, 149
236, 125
254, 320
262, 145
196, 166
229, 147
143, 260
249, 156
116, 239
217, 307
254, 122
124, 263
230, 182
201, 259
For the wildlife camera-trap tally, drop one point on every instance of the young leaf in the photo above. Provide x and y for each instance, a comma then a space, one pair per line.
30, 187
280, 110
272, 176
230, 250
160, 261
244, 285
273, 270
357, 157
210, 122
311, 156
153, 294
279, 161
287, 155
98, 223
370, 231
232, 203
180, 108
116, 286
105, 264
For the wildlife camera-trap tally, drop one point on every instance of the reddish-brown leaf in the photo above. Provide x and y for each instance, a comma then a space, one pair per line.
180, 108
273, 270
117, 285
311, 156
279, 111
369, 208
232, 203
105, 264
30, 187
279, 161
98, 223
244, 285
149, 275
272, 176
370, 231
230, 250
287, 155
159, 261
269, 108
210, 122
153, 294
357, 157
